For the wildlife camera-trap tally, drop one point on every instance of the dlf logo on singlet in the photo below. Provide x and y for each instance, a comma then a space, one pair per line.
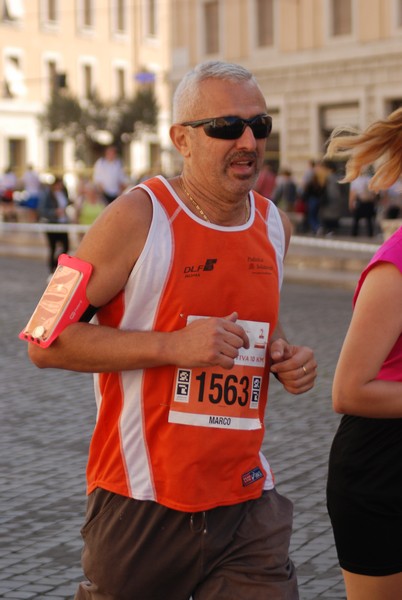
195, 270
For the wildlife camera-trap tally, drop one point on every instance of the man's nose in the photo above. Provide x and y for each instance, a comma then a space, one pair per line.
247, 139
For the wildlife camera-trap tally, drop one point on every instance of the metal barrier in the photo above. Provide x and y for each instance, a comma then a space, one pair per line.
334, 243
317, 242
42, 227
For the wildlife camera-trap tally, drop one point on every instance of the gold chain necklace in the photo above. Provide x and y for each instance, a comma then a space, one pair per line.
198, 207
189, 196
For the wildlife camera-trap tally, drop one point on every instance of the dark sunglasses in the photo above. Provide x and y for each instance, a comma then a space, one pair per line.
231, 128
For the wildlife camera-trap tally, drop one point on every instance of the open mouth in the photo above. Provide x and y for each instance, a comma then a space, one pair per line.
243, 166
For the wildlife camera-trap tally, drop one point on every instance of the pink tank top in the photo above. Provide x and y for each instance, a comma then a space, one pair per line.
390, 251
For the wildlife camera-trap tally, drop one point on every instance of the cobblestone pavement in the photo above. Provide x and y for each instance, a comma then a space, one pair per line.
45, 427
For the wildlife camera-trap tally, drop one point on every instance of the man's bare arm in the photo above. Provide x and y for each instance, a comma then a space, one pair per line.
112, 246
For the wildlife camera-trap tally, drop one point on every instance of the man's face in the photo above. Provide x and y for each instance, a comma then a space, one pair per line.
229, 165
110, 153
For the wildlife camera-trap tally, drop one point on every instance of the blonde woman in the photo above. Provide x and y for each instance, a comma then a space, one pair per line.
364, 491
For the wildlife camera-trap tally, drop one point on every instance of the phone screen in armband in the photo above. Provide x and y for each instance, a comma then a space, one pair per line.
59, 305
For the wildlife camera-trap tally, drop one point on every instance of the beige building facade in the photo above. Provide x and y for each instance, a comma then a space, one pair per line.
57, 43
320, 63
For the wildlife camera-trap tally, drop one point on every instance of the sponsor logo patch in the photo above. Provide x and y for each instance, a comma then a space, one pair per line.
252, 476
256, 266
195, 270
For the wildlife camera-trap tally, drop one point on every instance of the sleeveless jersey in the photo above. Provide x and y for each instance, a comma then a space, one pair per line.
190, 438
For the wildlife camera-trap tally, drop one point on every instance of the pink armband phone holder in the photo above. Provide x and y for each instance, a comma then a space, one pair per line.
63, 302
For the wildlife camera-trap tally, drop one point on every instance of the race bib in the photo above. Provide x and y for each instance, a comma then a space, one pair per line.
216, 397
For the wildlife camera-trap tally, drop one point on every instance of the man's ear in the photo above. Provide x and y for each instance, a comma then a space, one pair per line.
180, 138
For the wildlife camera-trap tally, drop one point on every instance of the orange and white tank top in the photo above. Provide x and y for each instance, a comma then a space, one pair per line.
190, 438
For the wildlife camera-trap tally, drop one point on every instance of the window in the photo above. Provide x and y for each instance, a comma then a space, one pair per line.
14, 80
120, 83
50, 15
341, 17
55, 160
87, 74
272, 152
337, 115
150, 18
88, 15
265, 22
55, 79
399, 13
85, 14
17, 154
119, 16
155, 155
13, 10
211, 27
51, 69
394, 105
51, 11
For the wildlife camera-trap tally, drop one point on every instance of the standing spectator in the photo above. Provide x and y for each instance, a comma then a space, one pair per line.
331, 200
308, 174
32, 187
285, 193
391, 200
362, 203
109, 175
312, 195
52, 209
8, 185
89, 205
266, 181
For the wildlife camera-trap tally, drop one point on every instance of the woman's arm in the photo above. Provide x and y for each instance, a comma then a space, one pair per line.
374, 329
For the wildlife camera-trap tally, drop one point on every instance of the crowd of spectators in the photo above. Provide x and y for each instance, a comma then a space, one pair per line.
24, 198
321, 202
316, 204
42, 198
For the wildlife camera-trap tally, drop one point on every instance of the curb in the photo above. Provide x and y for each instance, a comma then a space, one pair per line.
335, 262
332, 262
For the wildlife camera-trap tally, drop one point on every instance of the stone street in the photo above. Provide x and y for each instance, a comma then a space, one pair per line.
46, 422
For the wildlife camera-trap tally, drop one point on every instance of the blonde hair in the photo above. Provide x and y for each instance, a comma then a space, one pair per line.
381, 141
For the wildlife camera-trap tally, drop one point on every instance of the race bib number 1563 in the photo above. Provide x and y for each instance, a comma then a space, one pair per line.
217, 397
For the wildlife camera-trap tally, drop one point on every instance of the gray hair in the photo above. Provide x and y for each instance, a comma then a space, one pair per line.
186, 97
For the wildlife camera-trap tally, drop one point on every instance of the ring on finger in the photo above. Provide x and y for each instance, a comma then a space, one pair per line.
304, 369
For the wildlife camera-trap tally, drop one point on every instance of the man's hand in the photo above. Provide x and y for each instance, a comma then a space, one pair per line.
294, 366
209, 341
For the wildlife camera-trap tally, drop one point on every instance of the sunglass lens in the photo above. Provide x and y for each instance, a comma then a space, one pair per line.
231, 128
224, 129
261, 127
